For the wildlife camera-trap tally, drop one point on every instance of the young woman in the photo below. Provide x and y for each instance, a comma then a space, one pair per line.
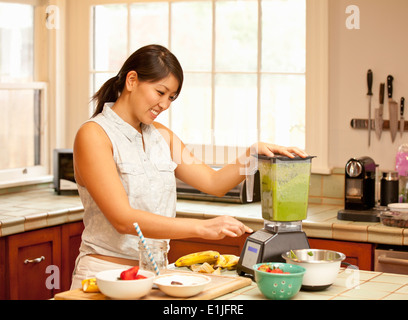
126, 163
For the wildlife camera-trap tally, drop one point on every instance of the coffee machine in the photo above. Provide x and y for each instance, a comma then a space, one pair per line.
359, 193
360, 184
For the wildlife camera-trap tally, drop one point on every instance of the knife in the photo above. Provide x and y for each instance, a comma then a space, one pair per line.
402, 121
370, 94
379, 121
393, 105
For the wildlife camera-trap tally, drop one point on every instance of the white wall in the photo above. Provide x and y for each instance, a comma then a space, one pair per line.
381, 44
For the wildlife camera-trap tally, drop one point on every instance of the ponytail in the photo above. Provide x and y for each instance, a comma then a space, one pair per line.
109, 92
151, 63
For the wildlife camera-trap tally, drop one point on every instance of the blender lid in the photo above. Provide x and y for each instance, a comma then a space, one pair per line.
282, 158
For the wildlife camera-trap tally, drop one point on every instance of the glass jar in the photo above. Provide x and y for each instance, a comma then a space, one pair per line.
158, 249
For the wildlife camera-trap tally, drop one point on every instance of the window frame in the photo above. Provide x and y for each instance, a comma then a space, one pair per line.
49, 78
317, 73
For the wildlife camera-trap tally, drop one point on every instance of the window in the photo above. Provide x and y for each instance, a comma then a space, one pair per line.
22, 100
244, 64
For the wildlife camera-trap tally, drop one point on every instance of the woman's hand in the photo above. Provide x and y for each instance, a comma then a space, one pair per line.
270, 150
221, 227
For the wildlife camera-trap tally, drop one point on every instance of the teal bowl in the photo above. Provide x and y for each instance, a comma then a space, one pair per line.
279, 286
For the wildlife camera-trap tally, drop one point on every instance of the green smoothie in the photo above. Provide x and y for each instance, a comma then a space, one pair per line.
285, 189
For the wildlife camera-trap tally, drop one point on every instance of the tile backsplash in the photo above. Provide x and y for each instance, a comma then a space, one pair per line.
327, 189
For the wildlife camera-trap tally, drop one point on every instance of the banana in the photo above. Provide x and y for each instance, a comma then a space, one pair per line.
221, 262
209, 256
232, 261
202, 268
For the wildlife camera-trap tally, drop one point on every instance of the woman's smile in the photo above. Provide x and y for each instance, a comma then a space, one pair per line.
154, 113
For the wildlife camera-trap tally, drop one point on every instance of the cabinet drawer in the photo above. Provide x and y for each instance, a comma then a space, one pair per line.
391, 261
29, 255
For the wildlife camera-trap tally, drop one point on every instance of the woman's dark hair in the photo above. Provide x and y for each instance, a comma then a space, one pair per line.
151, 63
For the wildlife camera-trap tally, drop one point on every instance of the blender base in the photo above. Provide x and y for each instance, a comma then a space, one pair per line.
268, 246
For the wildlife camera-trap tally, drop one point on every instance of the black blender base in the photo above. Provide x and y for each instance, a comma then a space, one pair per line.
266, 246
359, 215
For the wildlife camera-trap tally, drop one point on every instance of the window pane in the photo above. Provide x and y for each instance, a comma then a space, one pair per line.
235, 109
16, 42
191, 112
19, 130
110, 37
192, 35
284, 35
236, 35
283, 110
149, 24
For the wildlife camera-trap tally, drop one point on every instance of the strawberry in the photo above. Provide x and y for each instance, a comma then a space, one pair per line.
130, 274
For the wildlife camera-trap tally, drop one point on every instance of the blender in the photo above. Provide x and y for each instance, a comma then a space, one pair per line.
284, 200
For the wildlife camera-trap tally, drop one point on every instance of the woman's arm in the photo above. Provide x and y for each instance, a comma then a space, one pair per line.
95, 169
217, 182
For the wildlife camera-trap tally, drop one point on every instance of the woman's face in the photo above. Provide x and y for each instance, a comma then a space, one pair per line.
149, 99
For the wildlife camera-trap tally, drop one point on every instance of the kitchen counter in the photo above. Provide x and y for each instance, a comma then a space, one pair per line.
36, 209
30, 210
321, 222
349, 285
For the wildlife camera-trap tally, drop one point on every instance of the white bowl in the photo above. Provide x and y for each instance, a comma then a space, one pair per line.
184, 285
400, 207
110, 286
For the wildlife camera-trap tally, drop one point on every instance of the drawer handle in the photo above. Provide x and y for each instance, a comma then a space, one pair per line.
401, 262
37, 260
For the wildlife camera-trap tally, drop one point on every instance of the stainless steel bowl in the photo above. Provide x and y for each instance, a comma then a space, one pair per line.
322, 266
313, 256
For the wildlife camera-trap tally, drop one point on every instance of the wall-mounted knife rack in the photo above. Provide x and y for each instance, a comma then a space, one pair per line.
363, 124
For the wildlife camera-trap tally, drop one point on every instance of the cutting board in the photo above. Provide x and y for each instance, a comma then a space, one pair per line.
219, 285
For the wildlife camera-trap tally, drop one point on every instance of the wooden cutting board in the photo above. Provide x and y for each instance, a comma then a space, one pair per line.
219, 285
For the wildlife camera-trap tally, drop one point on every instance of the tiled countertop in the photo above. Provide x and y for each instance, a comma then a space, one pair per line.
349, 285
30, 210
321, 222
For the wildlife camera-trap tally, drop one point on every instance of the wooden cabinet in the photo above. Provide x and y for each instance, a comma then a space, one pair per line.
358, 254
35, 265
227, 245
71, 240
29, 255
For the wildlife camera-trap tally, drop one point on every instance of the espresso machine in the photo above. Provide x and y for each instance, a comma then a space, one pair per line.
284, 201
359, 193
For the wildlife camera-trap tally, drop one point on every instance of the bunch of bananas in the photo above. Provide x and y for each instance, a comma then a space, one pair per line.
208, 261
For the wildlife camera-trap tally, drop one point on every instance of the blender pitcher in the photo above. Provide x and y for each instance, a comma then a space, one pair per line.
284, 186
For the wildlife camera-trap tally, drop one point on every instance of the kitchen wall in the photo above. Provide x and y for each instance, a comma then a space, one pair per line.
381, 44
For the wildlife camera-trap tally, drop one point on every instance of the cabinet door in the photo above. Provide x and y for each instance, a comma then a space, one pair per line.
29, 255
71, 240
3, 288
358, 254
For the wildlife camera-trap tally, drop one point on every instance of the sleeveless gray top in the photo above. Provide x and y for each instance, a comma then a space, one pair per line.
147, 176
